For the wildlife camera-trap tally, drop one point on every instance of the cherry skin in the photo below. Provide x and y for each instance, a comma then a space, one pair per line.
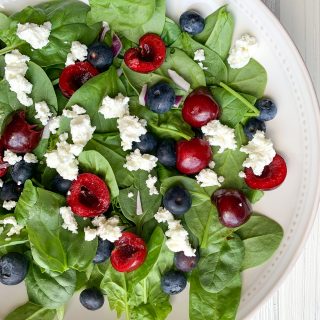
200, 108
233, 207
129, 253
193, 155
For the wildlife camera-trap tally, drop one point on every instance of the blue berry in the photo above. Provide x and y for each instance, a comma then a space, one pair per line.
173, 282
252, 126
100, 56
92, 299
166, 153
268, 109
10, 191
192, 22
184, 263
103, 251
22, 171
60, 185
177, 200
13, 268
160, 97
148, 143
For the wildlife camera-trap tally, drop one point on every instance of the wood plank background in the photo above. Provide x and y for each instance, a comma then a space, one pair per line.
299, 297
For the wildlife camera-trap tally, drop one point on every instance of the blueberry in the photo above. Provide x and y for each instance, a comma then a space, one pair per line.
268, 109
10, 191
184, 263
173, 282
60, 185
103, 251
166, 153
22, 171
192, 22
92, 299
13, 268
160, 97
100, 56
148, 143
177, 200
252, 126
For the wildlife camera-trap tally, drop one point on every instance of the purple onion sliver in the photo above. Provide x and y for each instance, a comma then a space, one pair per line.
104, 30
142, 96
4, 165
178, 80
116, 45
178, 101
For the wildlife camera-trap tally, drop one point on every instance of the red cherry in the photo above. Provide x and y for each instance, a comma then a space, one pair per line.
19, 136
89, 196
149, 56
74, 76
200, 108
129, 253
272, 176
193, 155
233, 207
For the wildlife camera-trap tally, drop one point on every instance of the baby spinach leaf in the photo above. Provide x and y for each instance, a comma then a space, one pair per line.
4, 21
261, 237
94, 162
171, 32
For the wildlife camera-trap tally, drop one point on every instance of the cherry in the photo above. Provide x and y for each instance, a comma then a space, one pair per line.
129, 253
149, 56
19, 136
233, 207
272, 176
89, 196
193, 155
200, 108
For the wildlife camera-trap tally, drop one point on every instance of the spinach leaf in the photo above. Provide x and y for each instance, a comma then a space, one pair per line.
50, 290
261, 237
4, 21
94, 162
171, 32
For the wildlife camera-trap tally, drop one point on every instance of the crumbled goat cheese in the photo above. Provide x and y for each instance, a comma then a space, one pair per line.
54, 124
130, 195
131, 128
69, 222
15, 229
15, 71
242, 51
78, 110
220, 135
74, 112
36, 35
43, 112
30, 158
81, 130
260, 153
90, 234
78, 52
200, 57
207, 178
137, 161
11, 157
163, 215
212, 164
115, 107
242, 174
150, 182
9, 204
221, 179
1, 183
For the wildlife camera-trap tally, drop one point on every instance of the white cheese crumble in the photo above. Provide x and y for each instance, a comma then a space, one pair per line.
150, 182
131, 128
15, 229
43, 112
260, 153
200, 57
74, 112
220, 135
15, 71
114, 107
11, 157
9, 204
54, 124
81, 129
212, 164
163, 215
207, 178
242, 51
89, 234
221, 179
242, 174
30, 158
36, 35
137, 161
78, 52
130, 195
69, 221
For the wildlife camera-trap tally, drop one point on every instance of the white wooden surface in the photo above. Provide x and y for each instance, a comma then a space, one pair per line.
299, 297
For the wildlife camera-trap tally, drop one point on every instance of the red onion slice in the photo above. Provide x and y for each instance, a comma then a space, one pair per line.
142, 96
105, 29
116, 45
177, 102
178, 80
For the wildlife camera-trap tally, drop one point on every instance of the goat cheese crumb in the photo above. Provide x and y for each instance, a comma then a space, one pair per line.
207, 178
163, 215
137, 161
242, 174
54, 124
221, 179
30, 158
260, 153
200, 57
130, 195
69, 222
131, 128
115, 107
81, 130
36, 35
15, 229
15, 71
74, 112
150, 182
8, 205
242, 51
11, 157
220, 135
43, 112
212, 164
90, 234
78, 52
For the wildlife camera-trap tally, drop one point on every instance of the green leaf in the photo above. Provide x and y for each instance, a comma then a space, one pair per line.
4, 21
171, 32
261, 237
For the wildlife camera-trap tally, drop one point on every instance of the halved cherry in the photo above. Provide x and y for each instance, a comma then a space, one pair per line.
74, 76
129, 253
149, 56
19, 136
272, 176
89, 196
200, 108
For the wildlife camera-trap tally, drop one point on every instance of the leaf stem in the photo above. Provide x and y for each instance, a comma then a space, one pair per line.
145, 296
204, 242
37, 183
9, 48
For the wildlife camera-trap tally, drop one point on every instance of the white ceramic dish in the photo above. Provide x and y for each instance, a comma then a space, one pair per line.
296, 134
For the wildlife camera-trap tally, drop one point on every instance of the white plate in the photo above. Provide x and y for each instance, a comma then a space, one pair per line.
295, 132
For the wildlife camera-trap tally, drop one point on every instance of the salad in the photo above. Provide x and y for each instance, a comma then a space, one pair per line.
133, 149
